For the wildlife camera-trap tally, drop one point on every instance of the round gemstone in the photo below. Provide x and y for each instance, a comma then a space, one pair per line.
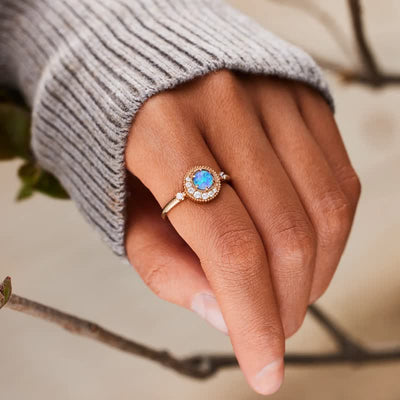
203, 179
180, 196
197, 195
188, 184
204, 196
191, 190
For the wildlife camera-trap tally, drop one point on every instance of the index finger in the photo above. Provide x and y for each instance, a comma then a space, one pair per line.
231, 253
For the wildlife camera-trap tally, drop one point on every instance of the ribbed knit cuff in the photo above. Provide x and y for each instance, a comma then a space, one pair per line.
87, 66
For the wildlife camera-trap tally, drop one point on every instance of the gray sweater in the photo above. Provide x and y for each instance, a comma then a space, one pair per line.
86, 67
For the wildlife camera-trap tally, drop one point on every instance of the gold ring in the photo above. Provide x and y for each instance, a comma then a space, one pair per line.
200, 184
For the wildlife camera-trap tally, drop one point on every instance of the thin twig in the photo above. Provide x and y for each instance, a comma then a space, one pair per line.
367, 57
346, 344
91, 330
370, 74
203, 366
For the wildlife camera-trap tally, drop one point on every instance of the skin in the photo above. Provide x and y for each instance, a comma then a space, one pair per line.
269, 244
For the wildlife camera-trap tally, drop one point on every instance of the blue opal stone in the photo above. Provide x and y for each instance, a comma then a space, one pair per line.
203, 179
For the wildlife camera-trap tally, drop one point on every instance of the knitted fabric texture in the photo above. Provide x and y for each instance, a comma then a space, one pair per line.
86, 67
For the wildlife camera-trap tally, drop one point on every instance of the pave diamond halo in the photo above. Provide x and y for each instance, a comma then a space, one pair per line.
202, 184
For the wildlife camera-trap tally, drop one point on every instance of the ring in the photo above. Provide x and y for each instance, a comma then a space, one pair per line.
200, 184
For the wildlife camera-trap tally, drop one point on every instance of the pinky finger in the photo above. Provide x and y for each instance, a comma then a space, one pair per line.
164, 261
321, 123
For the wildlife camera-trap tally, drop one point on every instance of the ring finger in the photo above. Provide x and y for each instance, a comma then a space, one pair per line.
224, 238
322, 196
271, 200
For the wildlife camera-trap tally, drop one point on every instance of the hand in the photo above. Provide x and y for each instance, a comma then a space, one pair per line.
269, 244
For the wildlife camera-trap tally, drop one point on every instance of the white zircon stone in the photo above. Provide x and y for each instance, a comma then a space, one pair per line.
197, 195
180, 196
191, 190
204, 196
188, 184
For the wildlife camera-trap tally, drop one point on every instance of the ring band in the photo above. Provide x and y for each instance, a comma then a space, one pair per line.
200, 184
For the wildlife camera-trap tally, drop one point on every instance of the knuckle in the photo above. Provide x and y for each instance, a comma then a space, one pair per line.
357, 186
348, 177
155, 278
223, 88
318, 290
225, 95
223, 79
152, 268
161, 105
294, 240
240, 252
336, 218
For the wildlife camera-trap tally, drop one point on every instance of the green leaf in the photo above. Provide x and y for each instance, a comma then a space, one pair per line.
29, 174
48, 184
5, 291
15, 140
15, 134
25, 192
35, 179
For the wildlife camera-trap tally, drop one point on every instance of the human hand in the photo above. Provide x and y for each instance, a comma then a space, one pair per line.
269, 244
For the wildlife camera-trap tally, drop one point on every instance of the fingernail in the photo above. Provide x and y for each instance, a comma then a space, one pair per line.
270, 378
205, 305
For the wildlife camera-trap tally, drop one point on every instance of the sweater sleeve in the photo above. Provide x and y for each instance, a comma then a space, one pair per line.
86, 67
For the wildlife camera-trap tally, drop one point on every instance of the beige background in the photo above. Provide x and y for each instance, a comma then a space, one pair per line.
55, 258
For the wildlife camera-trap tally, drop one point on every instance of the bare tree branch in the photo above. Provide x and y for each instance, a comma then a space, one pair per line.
373, 74
343, 340
205, 365
370, 74
91, 330
367, 57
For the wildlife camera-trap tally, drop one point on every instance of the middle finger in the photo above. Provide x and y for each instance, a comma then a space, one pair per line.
238, 141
